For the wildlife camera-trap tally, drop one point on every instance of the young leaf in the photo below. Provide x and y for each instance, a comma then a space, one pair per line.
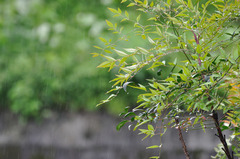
120, 53
153, 147
151, 41
152, 4
126, 14
131, 4
139, 124
113, 10
138, 18
150, 127
104, 64
103, 40
109, 24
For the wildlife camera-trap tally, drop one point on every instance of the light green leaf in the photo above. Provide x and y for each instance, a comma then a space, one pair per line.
126, 14
141, 87
152, 4
186, 71
109, 58
172, 35
143, 36
162, 87
104, 64
130, 50
143, 50
109, 23
145, 2
150, 127
97, 47
151, 40
139, 124
103, 40
190, 5
120, 53
168, 2
131, 4
138, 18
183, 77
199, 49
153, 147
119, 11
113, 10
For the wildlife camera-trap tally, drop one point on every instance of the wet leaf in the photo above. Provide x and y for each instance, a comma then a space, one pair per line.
125, 86
121, 124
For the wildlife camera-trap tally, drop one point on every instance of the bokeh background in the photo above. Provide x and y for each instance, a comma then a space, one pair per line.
50, 86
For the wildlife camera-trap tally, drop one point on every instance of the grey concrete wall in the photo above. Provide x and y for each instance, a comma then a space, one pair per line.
92, 136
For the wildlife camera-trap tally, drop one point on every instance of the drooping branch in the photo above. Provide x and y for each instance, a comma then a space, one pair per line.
182, 140
221, 137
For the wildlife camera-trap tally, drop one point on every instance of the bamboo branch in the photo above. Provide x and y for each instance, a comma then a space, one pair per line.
182, 140
221, 136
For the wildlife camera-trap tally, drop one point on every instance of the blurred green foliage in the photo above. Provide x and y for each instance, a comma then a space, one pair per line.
44, 55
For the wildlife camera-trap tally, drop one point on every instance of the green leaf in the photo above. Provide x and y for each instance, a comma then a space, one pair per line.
109, 24
109, 58
174, 20
152, 4
126, 14
139, 124
97, 47
199, 49
172, 35
103, 40
120, 53
107, 100
131, 4
183, 77
145, 2
104, 64
158, 31
130, 50
123, 1
141, 87
160, 86
153, 147
138, 18
150, 127
196, 120
186, 71
151, 41
168, 2
119, 11
121, 124
203, 126
190, 5
143, 50
125, 86
113, 10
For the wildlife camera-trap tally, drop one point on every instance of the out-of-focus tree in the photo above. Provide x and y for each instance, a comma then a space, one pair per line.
44, 55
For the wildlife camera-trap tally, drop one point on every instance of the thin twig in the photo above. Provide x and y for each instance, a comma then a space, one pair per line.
221, 136
182, 140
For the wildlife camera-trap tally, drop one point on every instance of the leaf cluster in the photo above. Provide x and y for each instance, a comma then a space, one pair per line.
205, 81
